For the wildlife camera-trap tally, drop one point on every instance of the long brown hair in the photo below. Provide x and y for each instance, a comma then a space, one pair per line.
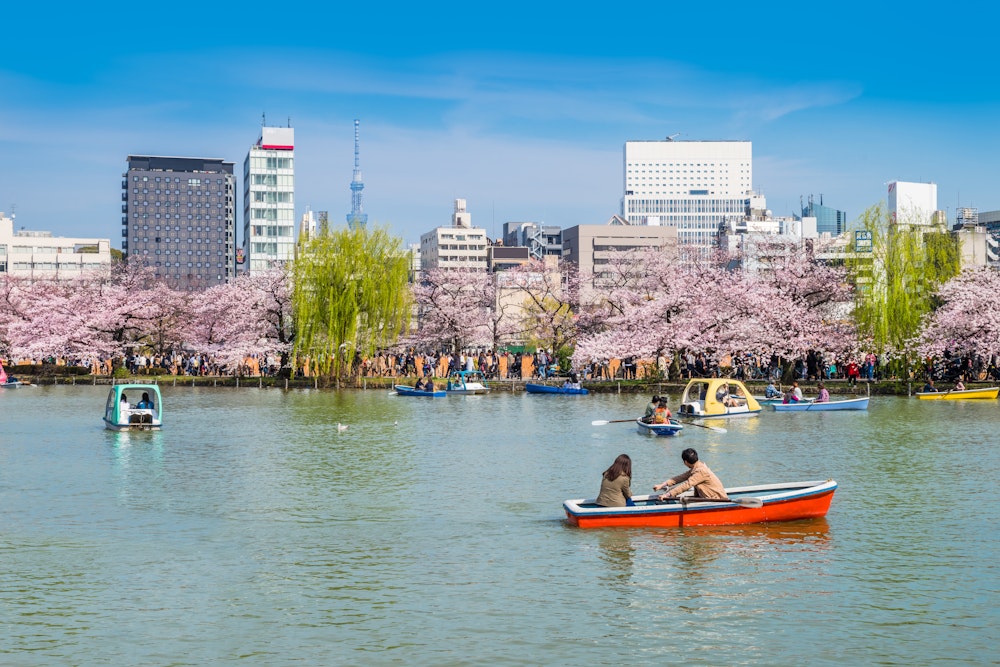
621, 466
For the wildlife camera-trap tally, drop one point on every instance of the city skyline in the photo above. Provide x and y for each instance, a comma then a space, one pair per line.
526, 120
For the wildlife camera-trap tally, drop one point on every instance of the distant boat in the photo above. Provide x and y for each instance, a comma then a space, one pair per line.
532, 388
404, 390
133, 417
965, 394
467, 382
850, 404
8, 381
717, 397
744, 504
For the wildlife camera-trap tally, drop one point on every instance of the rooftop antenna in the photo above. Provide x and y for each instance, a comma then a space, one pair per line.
289, 122
263, 119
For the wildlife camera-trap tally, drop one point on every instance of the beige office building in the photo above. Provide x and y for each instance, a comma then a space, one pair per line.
591, 246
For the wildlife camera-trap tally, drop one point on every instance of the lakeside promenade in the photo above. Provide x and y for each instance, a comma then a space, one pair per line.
643, 386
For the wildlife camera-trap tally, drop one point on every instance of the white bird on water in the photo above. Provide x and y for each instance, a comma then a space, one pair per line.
341, 427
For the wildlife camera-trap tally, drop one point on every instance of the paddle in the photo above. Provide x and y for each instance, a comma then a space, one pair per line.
602, 422
742, 502
717, 429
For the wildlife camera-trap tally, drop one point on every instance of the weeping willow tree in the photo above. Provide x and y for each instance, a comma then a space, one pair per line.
896, 274
350, 295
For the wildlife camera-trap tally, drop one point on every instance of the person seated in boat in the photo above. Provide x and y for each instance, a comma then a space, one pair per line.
771, 391
796, 392
616, 483
824, 395
929, 386
651, 409
959, 385
429, 385
723, 396
698, 477
736, 398
572, 382
145, 403
662, 413
419, 386
124, 409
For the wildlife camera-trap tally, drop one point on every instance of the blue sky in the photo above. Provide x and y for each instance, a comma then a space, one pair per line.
520, 108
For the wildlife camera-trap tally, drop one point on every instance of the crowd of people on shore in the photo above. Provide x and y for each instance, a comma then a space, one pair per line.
541, 364
504, 365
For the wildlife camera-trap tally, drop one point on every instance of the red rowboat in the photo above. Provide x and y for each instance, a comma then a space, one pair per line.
746, 504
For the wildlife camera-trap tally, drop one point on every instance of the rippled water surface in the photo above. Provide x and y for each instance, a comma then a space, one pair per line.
431, 532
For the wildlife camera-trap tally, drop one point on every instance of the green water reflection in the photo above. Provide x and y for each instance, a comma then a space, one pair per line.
253, 530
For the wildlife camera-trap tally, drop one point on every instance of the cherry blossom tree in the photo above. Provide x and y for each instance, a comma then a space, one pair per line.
655, 304
548, 296
250, 315
967, 321
106, 314
455, 307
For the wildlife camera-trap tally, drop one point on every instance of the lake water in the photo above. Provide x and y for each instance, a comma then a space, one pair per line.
431, 532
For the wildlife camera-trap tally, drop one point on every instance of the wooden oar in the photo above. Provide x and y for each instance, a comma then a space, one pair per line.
717, 429
742, 502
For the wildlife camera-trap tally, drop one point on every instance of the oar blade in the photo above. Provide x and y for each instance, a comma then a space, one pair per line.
717, 429
599, 422
749, 502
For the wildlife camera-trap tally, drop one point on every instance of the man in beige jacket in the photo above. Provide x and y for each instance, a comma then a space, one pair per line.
699, 477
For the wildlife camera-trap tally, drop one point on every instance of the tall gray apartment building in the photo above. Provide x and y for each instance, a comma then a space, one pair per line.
179, 218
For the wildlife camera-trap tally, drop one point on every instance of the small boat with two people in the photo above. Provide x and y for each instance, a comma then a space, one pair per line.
145, 415
568, 387
420, 390
743, 504
717, 397
467, 382
670, 427
817, 406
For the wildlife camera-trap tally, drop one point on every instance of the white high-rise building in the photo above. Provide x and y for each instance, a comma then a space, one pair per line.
690, 185
307, 227
269, 199
459, 246
913, 203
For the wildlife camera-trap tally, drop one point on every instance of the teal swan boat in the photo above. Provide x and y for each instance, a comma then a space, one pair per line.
133, 407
